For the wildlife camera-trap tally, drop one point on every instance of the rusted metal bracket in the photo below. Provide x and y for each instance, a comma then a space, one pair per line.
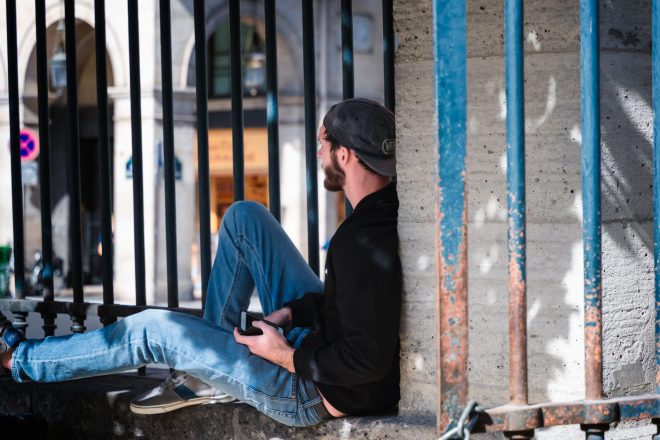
512, 419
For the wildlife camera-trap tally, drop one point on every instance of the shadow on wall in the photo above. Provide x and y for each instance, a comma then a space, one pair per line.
554, 209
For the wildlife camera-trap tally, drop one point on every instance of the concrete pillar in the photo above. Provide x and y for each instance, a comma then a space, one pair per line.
123, 196
6, 224
186, 203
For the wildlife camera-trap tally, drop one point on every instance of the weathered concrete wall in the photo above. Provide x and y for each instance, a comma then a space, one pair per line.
554, 210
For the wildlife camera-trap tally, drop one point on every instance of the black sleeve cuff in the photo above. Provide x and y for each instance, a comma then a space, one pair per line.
303, 310
304, 363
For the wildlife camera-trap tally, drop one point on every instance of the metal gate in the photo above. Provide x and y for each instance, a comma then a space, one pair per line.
518, 419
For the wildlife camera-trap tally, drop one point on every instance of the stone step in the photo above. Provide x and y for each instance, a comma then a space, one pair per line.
98, 408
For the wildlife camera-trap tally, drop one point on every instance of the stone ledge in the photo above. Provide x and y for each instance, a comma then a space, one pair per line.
98, 408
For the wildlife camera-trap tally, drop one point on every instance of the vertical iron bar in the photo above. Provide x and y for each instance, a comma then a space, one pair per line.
388, 53
347, 67
309, 72
591, 197
203, 145
347, 48
168, 153
451, 226
136, 152
515, 147
14, 130
104, 157
74, 142
44, 165
656, 180
236, 79
20, 319
272, 109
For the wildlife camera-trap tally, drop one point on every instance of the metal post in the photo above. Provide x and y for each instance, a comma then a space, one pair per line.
591, 195
388, 53
74, 171
168, 153
104, 159
20, 319
236, 79
309, 72
590, 83
272, 109
203, 145
136, 158
451, 211
347, 67
44, 165
515, 147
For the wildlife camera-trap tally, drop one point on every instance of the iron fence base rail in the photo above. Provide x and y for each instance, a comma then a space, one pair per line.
83, 308
524, 418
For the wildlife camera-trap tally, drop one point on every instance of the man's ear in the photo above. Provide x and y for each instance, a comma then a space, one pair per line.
343, 155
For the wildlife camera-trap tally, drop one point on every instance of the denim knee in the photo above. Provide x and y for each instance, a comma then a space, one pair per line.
242, 214
147, 319
243, 211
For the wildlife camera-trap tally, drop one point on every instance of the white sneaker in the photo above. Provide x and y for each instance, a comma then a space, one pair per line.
178, 391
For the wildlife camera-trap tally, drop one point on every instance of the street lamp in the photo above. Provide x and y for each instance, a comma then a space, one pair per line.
58, 62
255, 72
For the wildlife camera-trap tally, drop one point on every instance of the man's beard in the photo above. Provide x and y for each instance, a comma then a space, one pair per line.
335, 178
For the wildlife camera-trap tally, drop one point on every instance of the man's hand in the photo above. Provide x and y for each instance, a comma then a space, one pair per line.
271, 346
280, 317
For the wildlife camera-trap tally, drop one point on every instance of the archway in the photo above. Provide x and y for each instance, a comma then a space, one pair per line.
60, 154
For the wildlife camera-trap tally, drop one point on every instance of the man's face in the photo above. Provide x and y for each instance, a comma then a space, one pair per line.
335, 178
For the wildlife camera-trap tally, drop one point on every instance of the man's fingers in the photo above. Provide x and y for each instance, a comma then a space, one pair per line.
263, 326
239, 338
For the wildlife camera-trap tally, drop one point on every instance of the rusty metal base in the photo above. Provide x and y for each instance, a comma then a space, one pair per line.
516, 420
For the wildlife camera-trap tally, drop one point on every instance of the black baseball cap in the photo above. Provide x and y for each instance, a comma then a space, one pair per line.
367, 128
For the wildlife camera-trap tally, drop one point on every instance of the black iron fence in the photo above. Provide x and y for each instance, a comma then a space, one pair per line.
108, 311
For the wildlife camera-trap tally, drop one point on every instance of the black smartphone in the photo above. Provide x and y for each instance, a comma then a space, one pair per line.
247, 329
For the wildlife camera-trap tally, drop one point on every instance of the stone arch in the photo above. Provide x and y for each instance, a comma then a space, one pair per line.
85, 52
84, 14
287, 33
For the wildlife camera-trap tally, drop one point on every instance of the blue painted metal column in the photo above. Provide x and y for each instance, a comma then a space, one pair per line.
591, 195
656, 190
451, 210
590, 84
516, 239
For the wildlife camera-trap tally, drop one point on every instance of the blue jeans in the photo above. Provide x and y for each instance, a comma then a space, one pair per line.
253, 251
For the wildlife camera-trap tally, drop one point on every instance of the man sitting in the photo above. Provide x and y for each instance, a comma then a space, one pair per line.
341, 355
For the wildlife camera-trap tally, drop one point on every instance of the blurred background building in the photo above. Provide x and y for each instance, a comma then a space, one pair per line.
368, 83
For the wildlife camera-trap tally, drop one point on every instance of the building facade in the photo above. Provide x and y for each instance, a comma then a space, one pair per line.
368, 83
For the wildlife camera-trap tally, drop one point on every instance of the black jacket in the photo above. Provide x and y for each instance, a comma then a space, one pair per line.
352, 353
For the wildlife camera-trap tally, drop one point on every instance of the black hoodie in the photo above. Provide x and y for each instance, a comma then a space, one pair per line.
352, 353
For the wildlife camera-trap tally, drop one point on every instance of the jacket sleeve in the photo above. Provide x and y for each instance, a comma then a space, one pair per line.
305, 310
368, 291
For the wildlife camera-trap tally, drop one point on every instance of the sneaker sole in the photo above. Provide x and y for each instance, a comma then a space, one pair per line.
160, 409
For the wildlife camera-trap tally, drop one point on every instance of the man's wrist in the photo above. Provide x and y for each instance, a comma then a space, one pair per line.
288, 361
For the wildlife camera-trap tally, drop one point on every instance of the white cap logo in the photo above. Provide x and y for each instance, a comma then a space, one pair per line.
388, 146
